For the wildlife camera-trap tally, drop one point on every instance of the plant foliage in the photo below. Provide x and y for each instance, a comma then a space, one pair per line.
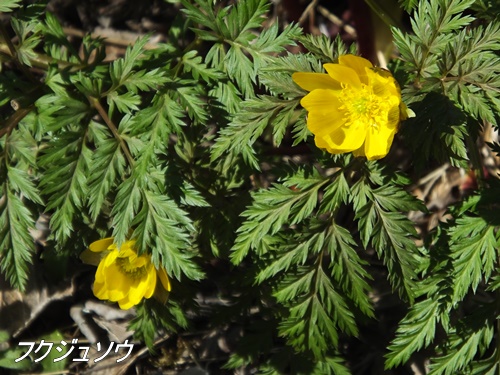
188, 148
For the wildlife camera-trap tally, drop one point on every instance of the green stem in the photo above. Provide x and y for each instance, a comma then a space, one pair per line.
13, 54
104, 115
40, 61
191, 46
385, 16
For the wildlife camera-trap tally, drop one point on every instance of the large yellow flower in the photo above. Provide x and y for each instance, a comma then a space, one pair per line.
355, 107
122, 275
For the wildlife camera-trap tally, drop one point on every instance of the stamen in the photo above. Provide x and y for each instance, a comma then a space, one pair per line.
129, 269
362, 106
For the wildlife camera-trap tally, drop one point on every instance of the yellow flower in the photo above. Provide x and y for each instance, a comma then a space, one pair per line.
122, 275
355, 107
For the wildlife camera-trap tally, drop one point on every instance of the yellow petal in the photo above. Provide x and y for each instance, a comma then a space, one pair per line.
165, 281
382, 83
379, 141
313, 81
161, 293
360, 151
110, 258
140, 261
343, 74
92, 258
347, 139
321, 102
137, 289
100, 275
324, 124
101, 245
100, 290
126, 252
359, 64
128, 245
393, 117
125, 303
322, 144
151, 282
117, 282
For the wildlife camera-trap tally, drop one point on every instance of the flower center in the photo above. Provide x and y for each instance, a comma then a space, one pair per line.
362, 107
130, 269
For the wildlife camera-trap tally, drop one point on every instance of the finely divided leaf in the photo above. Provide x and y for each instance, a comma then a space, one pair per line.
16, 244
414, 332
271, 210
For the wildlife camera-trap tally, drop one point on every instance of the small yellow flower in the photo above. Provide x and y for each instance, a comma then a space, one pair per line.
122, 275
355, 107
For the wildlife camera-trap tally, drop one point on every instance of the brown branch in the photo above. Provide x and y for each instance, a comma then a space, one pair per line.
308, 11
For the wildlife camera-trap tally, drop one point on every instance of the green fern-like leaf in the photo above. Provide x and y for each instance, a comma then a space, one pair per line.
247, 126
271, 210
473, 250
162, 227
348, 269
16, 244
382, 225
317, 315
474, 334
64, 182
107, 166
439, 133
9, 5
415, 331
125, 208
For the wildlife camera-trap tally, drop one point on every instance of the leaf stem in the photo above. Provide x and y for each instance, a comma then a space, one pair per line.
13, 54
191, 46
13, 120
104, 115
8, 42
384, 15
